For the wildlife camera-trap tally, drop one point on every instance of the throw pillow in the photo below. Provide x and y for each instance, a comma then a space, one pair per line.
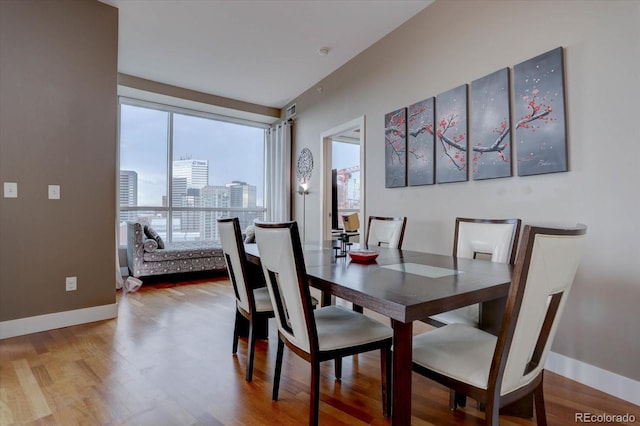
150, 245
151, 233
250, 234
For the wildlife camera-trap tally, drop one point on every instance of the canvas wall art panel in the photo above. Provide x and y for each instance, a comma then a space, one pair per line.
490, 126
420, 146
540, 130
451, 135
395, 152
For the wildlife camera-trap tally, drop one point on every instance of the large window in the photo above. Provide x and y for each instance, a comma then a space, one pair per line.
180, 172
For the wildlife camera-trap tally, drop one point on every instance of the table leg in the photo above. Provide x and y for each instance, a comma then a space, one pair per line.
401, 385
491, 313
325, 299
521, 408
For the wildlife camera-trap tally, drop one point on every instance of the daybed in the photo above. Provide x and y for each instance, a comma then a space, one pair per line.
148, 254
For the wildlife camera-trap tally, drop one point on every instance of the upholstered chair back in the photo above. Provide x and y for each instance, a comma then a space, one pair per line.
543, 276
234, 254
496, 238
386, 231
284, 270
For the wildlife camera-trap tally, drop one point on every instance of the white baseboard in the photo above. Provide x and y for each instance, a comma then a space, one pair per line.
595, 377
46, 322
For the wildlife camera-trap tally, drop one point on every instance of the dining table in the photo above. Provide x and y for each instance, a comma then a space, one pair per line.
406, 286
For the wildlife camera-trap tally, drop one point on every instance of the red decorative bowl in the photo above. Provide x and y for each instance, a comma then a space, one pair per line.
363, 256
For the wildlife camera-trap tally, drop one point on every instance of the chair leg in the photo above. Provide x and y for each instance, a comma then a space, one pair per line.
236, 332
337, 363
460, 399
456, 400
251, 350
358, 308
541, 413
492, 413
315, 393
276, 375
385, 367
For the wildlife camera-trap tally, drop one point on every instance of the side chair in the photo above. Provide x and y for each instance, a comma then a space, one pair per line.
495, 239
385, 231
326, 333
498, 370
252, 304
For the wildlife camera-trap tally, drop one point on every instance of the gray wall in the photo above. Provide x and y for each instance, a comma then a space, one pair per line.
58, 123
454, 42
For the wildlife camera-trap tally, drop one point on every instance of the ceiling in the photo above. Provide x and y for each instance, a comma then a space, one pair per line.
264, 52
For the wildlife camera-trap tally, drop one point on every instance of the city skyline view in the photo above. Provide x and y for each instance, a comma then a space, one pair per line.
171, 161
234, 152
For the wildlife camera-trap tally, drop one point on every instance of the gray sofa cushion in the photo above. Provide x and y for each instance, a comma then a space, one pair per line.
184, 250
151, 233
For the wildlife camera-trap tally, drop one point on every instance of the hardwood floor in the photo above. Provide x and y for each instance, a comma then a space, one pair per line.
166, 360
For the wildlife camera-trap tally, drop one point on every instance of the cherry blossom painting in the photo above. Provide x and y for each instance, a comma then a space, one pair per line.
451, 135
395, 152
490, 129
540, 131
420, 153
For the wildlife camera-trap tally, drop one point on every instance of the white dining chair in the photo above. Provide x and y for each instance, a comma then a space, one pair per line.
499, 370
252, 304
326, 333
385, 231
490, 239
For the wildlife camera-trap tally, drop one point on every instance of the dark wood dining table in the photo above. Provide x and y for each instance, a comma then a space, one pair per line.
406, 286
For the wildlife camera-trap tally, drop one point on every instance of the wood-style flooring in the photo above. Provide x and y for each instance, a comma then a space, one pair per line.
166, 360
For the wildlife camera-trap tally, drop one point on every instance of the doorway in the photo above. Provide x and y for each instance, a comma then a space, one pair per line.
337, 154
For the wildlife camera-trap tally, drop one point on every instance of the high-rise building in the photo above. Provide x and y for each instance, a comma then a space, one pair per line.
128, 193
213, 196
196, 172
241, 195
189, 178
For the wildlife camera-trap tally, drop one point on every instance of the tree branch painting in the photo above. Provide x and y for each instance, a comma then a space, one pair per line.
540, 128
451, 135
395, 135
420, 146
429, 142
490, 130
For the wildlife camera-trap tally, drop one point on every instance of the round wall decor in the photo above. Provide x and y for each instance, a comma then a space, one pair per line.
304, 166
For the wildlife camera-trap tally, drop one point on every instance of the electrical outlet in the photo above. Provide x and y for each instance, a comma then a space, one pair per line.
54, 192
71, 283
10, 190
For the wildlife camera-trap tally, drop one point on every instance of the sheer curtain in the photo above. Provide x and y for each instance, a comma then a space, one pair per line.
278, 172
119, 280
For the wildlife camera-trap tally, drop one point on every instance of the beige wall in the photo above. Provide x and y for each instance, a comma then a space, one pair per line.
58, 123
455, 42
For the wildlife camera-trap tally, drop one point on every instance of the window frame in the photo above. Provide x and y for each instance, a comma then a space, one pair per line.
170, 210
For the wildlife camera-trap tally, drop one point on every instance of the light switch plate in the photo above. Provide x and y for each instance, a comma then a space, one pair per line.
54, 192
71, 283
10, 190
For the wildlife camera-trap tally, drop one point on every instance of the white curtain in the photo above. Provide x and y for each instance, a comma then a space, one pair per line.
119, 281
278, 172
